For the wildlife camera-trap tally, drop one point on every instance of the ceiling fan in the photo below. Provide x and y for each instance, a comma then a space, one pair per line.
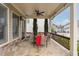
39, 13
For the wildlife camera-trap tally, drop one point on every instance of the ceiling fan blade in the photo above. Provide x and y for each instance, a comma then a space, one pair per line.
36, 10
39, 13
42, 12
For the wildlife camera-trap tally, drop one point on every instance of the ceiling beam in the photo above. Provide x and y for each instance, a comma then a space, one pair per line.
18, 10
13, 8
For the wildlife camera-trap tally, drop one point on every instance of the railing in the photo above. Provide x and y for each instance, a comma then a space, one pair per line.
64, 41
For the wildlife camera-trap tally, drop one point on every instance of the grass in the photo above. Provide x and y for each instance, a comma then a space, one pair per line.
78, 47
64, 41
66, 44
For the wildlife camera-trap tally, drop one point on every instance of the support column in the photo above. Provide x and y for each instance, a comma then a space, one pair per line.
49, 25
20, 29
73, 30
24, 27
46, 29
35, 29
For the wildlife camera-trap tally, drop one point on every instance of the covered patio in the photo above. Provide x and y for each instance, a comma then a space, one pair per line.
20, 45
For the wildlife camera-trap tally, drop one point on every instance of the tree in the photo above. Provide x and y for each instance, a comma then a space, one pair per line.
52, 29
34, 29
46, 26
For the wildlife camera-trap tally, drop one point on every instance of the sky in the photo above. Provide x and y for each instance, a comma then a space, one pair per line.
63, 17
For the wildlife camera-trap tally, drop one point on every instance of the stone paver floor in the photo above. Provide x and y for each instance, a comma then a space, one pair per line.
25, 48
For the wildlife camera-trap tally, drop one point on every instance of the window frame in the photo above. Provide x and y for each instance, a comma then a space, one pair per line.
13, 12
6, 36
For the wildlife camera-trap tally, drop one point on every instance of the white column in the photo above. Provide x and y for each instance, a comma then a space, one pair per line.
24, 27
73, 30
49, 25
20, 29
10, 27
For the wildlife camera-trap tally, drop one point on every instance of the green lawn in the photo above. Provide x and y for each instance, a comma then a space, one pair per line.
65, 42
78, 48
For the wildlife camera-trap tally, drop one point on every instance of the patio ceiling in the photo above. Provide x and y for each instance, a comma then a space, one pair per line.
49, 8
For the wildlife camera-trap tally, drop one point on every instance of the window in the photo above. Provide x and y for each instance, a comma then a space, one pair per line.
3, 23
40, 24
29, 26
15, 25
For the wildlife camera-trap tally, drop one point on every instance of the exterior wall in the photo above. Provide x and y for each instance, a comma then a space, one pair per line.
8, 47
62, 29
10, 23
66, 30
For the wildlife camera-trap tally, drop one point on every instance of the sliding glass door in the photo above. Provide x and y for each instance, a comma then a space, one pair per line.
3, 23
15, 26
